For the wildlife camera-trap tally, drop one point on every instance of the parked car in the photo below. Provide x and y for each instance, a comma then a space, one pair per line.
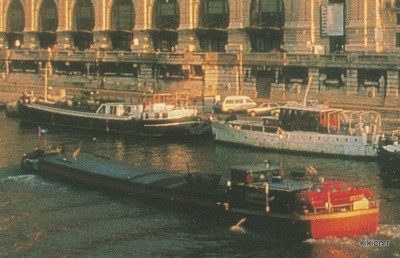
331, 193
232, 104
264, 109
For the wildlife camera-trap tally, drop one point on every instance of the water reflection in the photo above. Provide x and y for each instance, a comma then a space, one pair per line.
76, 221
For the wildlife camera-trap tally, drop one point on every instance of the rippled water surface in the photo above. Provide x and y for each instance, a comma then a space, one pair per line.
45, 218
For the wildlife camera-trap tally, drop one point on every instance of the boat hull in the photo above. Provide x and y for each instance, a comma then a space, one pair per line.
316, 226
296, 141
389, 157
56, 117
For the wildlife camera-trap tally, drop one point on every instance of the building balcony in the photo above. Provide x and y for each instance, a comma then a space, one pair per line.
349, 61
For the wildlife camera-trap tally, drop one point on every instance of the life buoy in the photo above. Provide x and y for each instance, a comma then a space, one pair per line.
210, 87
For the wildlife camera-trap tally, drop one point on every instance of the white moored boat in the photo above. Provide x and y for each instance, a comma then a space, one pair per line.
317, 129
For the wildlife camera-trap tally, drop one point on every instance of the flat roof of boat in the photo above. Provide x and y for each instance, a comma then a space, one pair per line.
247, 122
290, 185
316, 108
256, 167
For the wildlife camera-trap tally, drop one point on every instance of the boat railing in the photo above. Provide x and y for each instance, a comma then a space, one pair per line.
363, 204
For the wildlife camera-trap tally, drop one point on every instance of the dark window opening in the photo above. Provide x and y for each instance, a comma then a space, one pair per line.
82, 40
337, 44
173, 72
295, 78
371, 79
196, 70
15, 17
121, 40
84, 15
48, 19
164, 41
214, 14
14, 39
122, 17
265, 40
24, 66
213, 41
166, 14
397, 39
333, 78
47, 39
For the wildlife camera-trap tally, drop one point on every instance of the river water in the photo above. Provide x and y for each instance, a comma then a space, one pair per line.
42, 217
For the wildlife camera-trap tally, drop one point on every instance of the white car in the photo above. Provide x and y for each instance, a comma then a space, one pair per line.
264, 109
233, 104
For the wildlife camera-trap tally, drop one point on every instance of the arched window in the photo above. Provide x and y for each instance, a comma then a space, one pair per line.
267, 19
84, 15
266, 13
15, 17
214, 19
48, 23
214, 14
48, 19
83, 24
122, 16
122, 24
15, 24
165, 23
166, 14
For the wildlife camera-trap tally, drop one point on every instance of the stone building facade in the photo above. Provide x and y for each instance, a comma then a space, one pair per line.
347, 51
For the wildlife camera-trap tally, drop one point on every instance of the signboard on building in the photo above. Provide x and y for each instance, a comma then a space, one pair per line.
332, 20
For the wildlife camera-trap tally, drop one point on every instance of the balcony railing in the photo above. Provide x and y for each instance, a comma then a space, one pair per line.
350, 61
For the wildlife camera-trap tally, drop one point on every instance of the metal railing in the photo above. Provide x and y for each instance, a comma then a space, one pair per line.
345, 60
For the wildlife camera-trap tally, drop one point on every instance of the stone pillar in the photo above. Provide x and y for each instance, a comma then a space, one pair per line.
238, 71
3, 40
102, 40
278, 91
31, 40
64, 40
141, 41
238, 38
351, 82
392, 88
187, 41
313, 75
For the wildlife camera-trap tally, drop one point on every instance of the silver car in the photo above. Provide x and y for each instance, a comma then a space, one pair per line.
264, 109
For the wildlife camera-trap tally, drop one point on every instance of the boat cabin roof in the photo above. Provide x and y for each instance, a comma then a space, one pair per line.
316, 108
265, 173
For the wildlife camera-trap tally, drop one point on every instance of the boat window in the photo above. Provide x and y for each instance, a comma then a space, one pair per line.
165, 115
157, 115
146, 115
246, 127
257, 128
229, 102
317, 188
261, 176
128, 109
344, 187
102, 110
270, 129
113, 110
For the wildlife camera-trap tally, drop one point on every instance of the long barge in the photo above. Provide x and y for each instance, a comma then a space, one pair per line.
146, 117
256, 194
